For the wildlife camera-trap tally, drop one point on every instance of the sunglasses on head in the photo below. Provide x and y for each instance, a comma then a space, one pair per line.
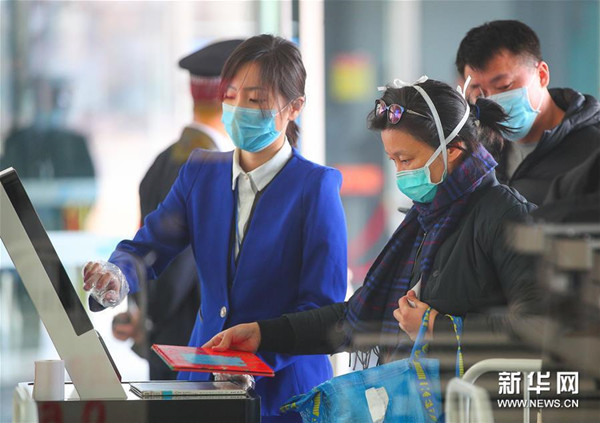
394, 111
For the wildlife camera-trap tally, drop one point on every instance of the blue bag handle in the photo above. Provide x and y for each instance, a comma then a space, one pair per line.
420, 349
298, 402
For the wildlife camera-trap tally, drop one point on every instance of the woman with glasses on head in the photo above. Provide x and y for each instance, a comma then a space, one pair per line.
449, 252
266, 225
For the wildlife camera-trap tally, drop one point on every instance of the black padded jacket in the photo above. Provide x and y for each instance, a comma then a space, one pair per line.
559, 149
474, 271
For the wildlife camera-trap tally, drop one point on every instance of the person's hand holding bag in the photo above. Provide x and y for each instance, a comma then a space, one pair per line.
409, 315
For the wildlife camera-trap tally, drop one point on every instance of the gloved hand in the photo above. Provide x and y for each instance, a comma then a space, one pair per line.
244, 381
106, 283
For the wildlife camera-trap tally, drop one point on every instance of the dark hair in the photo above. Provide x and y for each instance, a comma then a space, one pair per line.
281, 68
484, 126
485, 41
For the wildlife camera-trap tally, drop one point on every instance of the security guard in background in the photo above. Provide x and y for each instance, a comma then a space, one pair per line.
170, 308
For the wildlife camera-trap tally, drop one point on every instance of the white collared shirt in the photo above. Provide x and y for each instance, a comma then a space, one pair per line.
222, 142
249, 184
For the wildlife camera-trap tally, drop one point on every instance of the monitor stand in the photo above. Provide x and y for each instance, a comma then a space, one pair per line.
86, 359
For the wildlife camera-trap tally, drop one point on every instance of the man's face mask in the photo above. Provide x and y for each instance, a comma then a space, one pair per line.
517, 106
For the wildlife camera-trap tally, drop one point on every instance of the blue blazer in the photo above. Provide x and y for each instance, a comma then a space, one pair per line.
293, 256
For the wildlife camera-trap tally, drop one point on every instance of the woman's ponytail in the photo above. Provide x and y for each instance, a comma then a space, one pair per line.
490, 120
292, 132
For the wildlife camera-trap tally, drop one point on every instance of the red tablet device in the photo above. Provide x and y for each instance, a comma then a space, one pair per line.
192, 359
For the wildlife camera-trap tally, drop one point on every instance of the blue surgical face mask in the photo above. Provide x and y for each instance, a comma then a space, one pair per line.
251, 130
520, 113
416, 183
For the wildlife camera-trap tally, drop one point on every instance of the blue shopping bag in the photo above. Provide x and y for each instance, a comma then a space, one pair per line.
404, 391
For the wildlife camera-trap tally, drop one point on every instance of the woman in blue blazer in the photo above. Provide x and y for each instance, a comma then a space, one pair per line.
266, 225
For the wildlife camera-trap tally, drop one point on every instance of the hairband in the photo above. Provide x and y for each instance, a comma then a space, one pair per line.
398, 83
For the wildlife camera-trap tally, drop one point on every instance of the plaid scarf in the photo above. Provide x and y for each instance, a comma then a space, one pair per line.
370, 310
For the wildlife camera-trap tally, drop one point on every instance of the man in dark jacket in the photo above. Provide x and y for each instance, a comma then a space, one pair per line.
170, 303
555, 130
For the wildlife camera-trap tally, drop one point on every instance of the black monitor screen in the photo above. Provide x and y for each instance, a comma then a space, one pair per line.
44, 249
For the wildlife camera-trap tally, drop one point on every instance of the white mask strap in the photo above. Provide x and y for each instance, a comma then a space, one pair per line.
283, 108
463, 91
537, 110
459, 126
398, 83
438, 123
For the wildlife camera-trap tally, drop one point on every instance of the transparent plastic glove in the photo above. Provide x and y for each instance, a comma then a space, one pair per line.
106, 283
244, 381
